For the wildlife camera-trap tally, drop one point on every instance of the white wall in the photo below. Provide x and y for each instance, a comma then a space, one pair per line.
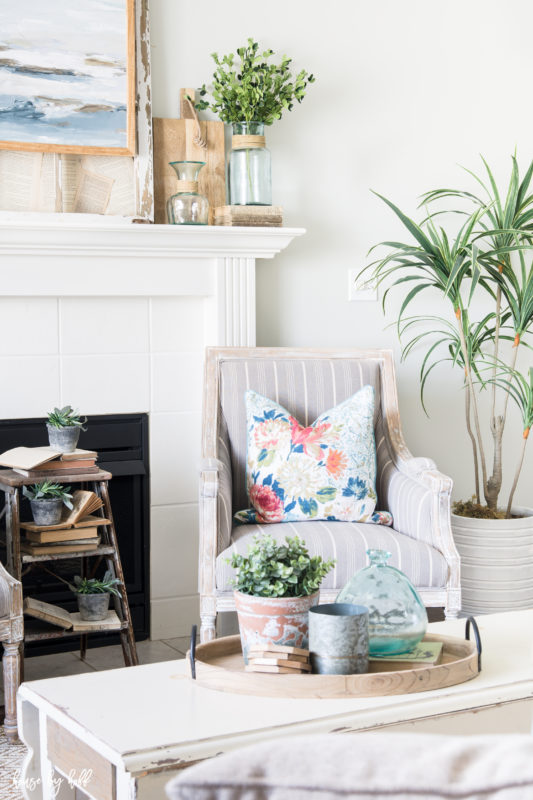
405, 91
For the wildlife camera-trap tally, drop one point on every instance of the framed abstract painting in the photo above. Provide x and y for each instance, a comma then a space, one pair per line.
67, 76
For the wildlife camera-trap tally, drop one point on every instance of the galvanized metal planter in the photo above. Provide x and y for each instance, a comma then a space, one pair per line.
338, 639
46, 510
93, 607
64, 440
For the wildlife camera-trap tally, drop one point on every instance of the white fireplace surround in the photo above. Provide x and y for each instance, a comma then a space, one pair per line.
114, 318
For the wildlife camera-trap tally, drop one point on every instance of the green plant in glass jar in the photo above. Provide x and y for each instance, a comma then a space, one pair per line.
248, 93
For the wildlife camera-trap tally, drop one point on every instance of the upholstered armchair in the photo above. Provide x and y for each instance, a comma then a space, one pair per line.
11, 635
308, 382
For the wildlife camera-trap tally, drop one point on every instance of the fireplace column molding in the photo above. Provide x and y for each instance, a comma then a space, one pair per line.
52, 255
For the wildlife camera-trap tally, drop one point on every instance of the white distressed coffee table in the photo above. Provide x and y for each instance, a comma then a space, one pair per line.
124, 733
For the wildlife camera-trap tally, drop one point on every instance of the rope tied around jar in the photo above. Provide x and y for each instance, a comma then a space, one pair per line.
187, 186
241, 140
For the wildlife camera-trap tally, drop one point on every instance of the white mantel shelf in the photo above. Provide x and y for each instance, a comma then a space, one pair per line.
136, 240
45, 255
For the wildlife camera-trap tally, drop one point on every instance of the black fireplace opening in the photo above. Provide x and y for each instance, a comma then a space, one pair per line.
121, 441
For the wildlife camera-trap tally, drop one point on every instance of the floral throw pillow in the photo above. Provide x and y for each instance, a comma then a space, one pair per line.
325, 471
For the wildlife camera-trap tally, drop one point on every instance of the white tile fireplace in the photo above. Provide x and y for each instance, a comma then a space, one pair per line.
114, 318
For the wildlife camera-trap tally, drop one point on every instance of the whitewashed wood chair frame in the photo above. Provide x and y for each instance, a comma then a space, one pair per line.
11, 636
416, 477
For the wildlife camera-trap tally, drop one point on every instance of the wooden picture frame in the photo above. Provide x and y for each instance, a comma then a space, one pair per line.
47, 107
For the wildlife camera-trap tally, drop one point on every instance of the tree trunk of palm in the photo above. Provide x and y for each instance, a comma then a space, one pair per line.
473, 440
470, 388
517, 474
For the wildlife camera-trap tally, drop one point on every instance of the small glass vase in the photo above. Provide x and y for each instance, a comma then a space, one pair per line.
249, 168
397, 618
187, 206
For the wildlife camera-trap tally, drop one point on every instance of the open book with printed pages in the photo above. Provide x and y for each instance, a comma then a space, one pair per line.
32, 458
65, 619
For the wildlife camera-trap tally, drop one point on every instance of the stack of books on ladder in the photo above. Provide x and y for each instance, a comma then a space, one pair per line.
39, 463
78, 531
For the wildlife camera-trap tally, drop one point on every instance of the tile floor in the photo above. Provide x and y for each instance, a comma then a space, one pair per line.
100, 658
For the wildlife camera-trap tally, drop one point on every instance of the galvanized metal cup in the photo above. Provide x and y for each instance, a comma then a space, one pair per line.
338, 639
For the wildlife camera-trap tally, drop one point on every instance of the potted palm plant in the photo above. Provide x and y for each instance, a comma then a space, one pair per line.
275, 585
47, 500
486, 263
249, 93
93, 595
64, 426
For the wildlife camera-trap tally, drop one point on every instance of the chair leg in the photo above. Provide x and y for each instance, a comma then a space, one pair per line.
208, 627
11, 667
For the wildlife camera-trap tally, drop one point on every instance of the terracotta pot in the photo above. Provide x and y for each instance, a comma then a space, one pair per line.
274, 620
496, 562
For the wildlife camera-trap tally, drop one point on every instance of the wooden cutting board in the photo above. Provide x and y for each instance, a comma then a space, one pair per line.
174, 141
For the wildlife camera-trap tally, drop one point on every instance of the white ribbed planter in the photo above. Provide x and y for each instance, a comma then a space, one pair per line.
496, 562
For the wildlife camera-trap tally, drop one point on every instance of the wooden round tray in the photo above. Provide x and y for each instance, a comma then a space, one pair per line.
219, 665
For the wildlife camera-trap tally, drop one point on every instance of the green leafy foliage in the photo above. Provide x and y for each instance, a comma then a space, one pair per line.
48, 491
488, 257
275, 569
66, 417
94, 586
251, 89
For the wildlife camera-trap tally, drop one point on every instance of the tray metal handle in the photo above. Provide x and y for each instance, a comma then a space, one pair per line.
192, 652
472, 622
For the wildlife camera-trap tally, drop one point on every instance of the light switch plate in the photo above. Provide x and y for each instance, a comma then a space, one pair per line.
361, 290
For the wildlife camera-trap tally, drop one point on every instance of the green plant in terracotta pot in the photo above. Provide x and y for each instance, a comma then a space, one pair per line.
93, 595
248, 93
64, 426
47, 500
276, 584
485, 261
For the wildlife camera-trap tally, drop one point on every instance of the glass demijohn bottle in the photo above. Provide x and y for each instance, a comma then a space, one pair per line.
187, 206
397, 618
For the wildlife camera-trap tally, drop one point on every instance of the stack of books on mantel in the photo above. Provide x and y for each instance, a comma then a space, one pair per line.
78, 531
39, 463
260, 216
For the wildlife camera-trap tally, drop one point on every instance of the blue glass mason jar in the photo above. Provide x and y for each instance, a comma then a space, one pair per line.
249, 168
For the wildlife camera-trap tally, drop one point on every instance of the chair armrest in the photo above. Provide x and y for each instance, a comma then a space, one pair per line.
416, 493
10, 595
216, 488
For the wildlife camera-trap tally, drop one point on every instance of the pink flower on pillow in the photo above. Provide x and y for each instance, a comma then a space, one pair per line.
266, 503
308, 437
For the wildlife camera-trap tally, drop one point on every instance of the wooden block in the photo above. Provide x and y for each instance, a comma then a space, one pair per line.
277, 648
280, 662
273, 668
282, 656
174, 141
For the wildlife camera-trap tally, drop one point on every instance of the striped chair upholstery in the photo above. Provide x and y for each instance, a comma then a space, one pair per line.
416, 494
